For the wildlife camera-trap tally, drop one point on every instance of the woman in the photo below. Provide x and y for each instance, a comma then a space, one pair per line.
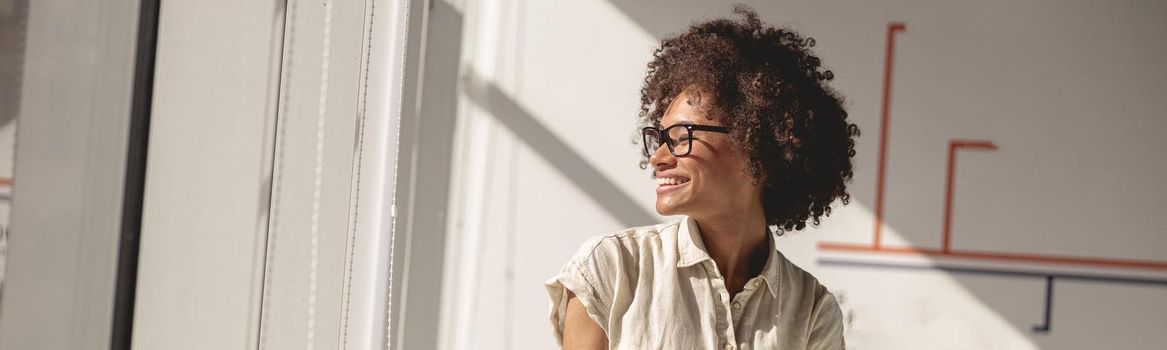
742, 134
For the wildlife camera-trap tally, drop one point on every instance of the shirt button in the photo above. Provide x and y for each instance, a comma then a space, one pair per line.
727, 346
757, 283
737, 305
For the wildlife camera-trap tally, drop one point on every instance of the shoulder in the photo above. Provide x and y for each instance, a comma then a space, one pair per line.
599, 269
797, 278
622, 245
806, 287
810, 294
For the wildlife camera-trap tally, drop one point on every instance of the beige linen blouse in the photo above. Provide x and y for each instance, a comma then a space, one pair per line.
655, 287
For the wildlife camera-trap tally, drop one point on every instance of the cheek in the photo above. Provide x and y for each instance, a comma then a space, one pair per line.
712, 178
731, 176
717, 170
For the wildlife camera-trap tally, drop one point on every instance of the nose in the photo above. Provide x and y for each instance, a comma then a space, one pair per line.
662, 158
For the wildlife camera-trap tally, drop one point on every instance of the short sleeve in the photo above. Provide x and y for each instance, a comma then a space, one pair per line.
826, 328
584, 285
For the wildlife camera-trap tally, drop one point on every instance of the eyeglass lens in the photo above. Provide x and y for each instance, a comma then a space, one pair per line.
678, 142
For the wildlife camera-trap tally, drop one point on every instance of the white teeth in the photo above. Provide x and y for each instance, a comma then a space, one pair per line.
670, 181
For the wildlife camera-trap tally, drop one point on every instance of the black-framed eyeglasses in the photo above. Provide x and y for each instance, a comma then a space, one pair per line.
678, 137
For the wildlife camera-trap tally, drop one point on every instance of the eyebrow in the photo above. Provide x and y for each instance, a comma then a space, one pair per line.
685, 121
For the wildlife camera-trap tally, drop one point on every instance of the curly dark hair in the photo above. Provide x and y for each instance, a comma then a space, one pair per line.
772, 92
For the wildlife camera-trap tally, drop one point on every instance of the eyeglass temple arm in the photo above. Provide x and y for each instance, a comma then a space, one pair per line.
721, 129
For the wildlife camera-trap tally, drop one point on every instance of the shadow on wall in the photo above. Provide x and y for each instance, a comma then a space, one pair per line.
567, 161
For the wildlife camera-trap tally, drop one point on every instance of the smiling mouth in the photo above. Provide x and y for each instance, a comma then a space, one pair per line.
670, 182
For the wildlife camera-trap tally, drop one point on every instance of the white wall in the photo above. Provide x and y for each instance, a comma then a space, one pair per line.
1070, 92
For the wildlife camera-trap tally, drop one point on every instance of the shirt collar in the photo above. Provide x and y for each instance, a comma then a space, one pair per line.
690, 247
691, 251
770, 272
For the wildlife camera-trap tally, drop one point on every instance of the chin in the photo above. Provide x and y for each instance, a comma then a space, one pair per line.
669, 209
663, 211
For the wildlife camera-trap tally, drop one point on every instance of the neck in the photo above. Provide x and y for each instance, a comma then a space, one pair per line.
737, 242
